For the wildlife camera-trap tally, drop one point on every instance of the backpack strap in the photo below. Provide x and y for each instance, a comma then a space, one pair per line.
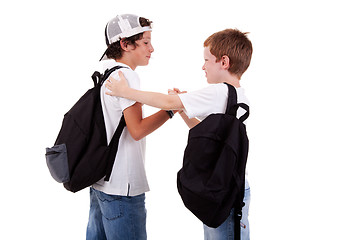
108, 72
232, 106
98, 80
239, 204
247, 109
113, 150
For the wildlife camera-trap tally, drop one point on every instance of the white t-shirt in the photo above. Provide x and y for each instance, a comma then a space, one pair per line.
212, 99
128, 177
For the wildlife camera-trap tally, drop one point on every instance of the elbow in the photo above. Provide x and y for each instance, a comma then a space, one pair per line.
138, 138
136, 130
137, 135
171, 103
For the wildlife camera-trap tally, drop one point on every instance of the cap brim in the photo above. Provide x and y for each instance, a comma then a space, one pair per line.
104, 57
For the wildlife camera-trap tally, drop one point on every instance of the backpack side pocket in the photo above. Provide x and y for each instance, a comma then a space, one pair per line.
57, 162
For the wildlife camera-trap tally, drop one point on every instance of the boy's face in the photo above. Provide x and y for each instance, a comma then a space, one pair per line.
211, 67
143, 50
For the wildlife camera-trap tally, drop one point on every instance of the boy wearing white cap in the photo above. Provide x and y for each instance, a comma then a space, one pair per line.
117, 206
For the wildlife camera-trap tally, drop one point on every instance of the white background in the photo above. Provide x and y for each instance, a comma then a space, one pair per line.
304, 124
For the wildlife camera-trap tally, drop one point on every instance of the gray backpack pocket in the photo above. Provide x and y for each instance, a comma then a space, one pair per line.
57, 162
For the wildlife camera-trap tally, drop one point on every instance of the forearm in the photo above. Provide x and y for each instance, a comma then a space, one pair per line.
153, 122
158, 100
140, 127
149, 124
191, 122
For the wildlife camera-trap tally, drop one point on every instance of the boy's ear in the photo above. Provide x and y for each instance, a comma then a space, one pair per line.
123, 45
225, 62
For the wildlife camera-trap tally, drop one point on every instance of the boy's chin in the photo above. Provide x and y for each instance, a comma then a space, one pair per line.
144, 63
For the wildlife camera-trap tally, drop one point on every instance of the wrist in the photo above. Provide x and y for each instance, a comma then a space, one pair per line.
170, 113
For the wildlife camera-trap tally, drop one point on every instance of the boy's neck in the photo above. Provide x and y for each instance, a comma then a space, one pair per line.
232, 80
128, 62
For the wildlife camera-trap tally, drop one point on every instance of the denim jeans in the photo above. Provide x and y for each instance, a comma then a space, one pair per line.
115, 217
226, 230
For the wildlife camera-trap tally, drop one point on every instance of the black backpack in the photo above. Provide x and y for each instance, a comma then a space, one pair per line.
81, 155
212, 179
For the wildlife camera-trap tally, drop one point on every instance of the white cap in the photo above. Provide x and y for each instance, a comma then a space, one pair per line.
123, 26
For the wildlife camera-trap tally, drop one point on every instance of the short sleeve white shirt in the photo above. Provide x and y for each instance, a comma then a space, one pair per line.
128, 176
212, 99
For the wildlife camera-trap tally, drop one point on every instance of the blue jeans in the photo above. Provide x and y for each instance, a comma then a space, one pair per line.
115, 217
226, 230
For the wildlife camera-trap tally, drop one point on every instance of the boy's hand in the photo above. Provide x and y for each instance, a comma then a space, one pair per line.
117, 88
175, 91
